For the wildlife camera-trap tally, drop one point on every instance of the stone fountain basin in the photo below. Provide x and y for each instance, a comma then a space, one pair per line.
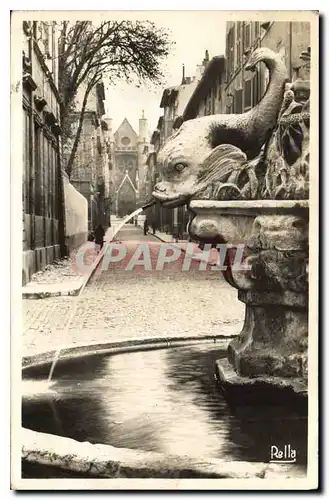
52, 455
266, 260
234, 219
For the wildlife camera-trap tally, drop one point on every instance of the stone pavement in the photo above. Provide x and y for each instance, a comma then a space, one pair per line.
118, 304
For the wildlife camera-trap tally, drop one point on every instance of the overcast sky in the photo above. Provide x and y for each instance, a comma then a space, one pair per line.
193, 32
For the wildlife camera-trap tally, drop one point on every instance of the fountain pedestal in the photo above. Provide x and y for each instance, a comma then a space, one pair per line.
270, 355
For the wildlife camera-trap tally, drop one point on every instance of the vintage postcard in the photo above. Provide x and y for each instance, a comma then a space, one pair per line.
164, 294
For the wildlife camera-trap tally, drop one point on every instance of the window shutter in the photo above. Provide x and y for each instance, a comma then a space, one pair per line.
246, 36
238, 101
255, 88
247, 94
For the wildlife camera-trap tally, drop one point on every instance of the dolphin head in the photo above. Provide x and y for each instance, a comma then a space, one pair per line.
179, 163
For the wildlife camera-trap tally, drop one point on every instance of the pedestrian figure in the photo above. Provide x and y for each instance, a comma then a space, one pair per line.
146, 226
99, 235
153, 226
91, 236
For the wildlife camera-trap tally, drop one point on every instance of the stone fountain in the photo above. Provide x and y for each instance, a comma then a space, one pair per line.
253, 194
245, 179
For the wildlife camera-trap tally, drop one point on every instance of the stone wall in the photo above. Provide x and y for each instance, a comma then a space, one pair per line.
76, 217
42, 203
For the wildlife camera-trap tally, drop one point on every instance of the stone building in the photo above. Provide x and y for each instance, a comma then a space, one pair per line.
206, 98
90, 173
127, 152
242, 89
173, 103
223, 86
43, 215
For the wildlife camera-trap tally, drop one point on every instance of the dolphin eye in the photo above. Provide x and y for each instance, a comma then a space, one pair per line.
179, 167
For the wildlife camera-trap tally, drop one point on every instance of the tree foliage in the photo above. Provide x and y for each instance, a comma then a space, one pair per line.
113, 50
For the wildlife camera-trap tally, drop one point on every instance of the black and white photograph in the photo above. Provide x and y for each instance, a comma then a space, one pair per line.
165, 312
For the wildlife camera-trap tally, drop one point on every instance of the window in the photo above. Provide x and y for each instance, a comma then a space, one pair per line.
238, 101
55, 186
256, 89
238, 52
230, 52
45, 174
247, 94
46, 39
209, 104
238, 45
43, 38
246, 36
125, 141
38, 170
26, 160
50, 180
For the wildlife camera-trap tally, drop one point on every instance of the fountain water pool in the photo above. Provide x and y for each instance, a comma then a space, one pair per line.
164, 400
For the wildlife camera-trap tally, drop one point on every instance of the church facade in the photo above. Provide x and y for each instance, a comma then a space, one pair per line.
128, 154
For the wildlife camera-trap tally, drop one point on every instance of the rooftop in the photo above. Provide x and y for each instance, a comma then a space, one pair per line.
213, 71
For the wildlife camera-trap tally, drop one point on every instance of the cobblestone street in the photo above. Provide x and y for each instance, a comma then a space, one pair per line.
120, 304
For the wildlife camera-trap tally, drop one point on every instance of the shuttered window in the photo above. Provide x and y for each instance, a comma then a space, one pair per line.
247, 94
45, 174
27, 149
238, 101
230, 52
256, 89
238, 44
246, 36
38, 170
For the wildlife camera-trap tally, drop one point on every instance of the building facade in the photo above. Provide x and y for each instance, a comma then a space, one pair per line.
206, 98
224, 86
127, 152
90, 172
242, 89
173, 103
43, 205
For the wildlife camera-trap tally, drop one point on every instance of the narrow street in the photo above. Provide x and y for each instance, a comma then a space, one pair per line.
120, 304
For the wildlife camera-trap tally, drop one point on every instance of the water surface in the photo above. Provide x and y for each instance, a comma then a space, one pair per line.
161, 400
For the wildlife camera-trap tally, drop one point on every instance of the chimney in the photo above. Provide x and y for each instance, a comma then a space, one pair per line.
206, 58
183, 77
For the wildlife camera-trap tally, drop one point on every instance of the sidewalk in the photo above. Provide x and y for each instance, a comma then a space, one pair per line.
62, 278
164, 237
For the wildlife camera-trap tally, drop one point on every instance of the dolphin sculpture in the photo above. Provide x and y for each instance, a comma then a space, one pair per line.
208, 149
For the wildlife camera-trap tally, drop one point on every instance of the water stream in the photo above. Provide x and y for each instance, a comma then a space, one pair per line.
77, 300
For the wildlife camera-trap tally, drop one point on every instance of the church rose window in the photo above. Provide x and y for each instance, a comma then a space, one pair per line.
125, 141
